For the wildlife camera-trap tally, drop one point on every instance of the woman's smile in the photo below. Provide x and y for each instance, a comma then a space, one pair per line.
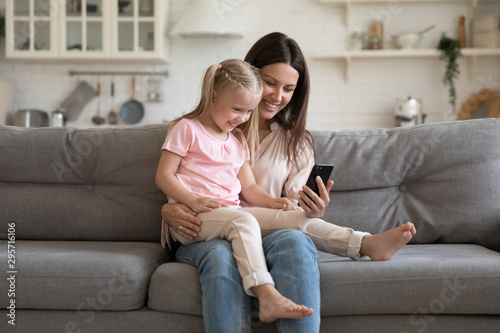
279, 81
271, 107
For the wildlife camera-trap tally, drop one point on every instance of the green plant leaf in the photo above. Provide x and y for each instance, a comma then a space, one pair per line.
450, 52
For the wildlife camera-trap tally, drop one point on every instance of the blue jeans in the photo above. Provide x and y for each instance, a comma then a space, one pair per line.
291, 257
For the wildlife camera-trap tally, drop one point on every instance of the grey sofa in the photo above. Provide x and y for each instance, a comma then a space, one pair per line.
80, 232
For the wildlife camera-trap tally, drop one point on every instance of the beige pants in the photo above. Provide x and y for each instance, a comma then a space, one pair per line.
244, 228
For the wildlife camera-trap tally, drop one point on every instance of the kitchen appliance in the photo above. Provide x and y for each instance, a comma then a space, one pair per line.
31, 118
409, 112
58, 118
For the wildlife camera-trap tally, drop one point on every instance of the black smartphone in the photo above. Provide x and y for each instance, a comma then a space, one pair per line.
322, 170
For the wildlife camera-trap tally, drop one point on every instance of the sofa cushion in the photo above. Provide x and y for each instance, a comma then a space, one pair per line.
435, 278
81, 184
441, 176
82, 275
419, 279
175, 287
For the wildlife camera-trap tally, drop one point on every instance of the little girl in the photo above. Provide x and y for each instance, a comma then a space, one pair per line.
205, 165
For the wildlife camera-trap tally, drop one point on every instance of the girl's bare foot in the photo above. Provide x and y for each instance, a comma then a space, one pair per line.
383, 246
273, 305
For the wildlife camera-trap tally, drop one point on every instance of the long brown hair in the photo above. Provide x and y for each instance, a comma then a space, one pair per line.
275, 48
229, 74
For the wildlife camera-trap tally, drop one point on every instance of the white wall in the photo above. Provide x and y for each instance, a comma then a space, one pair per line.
367, 101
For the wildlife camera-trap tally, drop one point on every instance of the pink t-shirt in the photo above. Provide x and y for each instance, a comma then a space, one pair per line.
209, 167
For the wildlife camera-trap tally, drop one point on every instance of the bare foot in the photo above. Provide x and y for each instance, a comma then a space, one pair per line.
273, 305
383, 246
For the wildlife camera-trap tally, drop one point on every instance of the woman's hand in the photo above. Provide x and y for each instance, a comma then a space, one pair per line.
312, 204
182, 219
281, 203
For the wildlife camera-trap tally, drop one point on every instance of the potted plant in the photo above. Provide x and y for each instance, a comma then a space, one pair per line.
2, 23
450, 52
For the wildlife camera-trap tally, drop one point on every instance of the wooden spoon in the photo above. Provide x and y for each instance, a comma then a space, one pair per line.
98, 119
112, 115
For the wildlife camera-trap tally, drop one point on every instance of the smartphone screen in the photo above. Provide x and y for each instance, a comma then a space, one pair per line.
322, 170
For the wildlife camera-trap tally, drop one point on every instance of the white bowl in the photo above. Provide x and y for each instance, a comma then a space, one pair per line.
407, 40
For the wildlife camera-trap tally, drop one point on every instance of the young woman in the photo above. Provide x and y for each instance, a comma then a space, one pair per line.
205, 165
284, 157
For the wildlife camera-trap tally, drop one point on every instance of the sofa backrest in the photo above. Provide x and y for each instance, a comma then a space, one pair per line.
444, 177
98, 184
81, 184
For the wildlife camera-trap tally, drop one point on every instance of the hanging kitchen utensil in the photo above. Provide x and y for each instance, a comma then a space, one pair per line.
112, 115
132, 111
98, 119
76, 101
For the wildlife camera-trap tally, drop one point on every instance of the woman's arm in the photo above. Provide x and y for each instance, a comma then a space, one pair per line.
172, 187
255, 195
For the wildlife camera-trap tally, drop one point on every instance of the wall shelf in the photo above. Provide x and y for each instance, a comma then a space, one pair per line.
398, 53
470, 55
347, 4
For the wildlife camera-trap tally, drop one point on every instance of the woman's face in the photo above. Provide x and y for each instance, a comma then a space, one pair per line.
279, 81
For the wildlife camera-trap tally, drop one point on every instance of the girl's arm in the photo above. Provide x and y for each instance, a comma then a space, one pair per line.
172, 187
255, 195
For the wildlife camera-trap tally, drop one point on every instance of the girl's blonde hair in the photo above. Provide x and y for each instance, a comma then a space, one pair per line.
229, 74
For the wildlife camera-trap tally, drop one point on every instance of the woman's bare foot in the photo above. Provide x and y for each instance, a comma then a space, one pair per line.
382, 247
273, 305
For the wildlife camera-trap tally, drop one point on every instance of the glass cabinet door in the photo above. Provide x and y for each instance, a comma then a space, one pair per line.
136, 27
31, 27
84, 27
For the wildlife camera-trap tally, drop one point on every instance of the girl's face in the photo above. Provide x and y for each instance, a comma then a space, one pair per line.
232, 107
279, 81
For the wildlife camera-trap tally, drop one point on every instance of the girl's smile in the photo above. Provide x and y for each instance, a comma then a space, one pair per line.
230, 108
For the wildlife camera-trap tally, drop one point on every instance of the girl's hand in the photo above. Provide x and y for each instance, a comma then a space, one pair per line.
204, 204
312, 204
281, 203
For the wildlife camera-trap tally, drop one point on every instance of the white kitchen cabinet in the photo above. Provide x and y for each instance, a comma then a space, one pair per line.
84, 29
138, 30
31, 29
87, 29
